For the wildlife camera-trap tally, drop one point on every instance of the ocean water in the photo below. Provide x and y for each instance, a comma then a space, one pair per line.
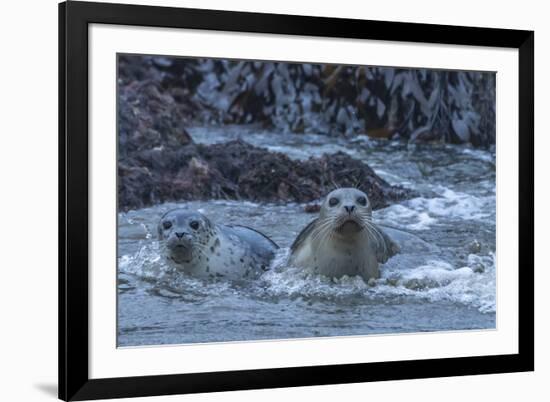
444, 279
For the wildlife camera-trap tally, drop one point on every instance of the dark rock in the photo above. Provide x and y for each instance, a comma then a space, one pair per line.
312, 208
148, 118
478, 267
135, 186
238, 170
474, 247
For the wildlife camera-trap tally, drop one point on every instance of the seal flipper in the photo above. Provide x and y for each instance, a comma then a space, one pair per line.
386, 250
302, 236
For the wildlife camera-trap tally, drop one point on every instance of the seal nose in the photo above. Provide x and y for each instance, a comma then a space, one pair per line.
349, 208
179, 234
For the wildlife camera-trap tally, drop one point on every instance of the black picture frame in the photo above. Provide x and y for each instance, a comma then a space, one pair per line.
74, 381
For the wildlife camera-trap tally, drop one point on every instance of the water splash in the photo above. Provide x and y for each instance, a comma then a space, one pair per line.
444, 278
433, 280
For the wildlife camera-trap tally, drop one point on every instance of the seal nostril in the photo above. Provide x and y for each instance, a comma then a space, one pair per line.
349, 208
179, 234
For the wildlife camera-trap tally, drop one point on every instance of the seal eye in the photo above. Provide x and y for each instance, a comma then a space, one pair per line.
333, 201
194, 225
166, 224
362, 201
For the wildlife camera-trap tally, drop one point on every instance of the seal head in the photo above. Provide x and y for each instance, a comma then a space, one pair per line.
185, 234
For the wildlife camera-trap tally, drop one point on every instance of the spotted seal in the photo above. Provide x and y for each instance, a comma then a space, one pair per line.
343, 240
201, 248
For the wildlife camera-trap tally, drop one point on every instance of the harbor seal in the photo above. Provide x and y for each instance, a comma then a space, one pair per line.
343, 240
201, 248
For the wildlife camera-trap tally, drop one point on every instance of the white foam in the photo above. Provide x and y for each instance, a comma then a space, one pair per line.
422, 213
403, 216
439, 281
456, 205
434, 281
146, 263
480, 154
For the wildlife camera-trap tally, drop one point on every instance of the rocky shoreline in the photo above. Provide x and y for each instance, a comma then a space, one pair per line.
239, 171
159, 97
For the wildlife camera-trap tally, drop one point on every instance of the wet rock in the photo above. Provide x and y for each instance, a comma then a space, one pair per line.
238, 170
393, 280
422, 284
478, 267
312, 208
148, 118
414, 284
135, 186
474, 247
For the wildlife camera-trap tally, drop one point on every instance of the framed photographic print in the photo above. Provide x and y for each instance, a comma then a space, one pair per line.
257, 201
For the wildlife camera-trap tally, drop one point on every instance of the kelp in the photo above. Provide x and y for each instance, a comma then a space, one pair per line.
337, 100
382, 102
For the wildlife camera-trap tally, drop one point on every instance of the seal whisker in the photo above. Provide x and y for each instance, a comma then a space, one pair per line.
378, 234
370, 234
326, 236
322, 229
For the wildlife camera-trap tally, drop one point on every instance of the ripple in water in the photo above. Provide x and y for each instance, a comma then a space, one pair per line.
443, 279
